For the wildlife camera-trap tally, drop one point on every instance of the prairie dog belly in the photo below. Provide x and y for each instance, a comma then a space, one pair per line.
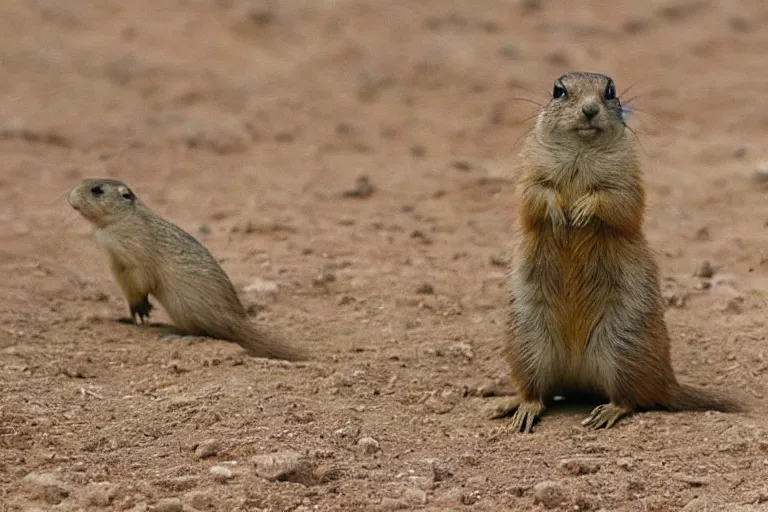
561, 293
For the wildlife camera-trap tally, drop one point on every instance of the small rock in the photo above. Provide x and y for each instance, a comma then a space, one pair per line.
693, 481
705, 270
422, 482
325, 473
423, 237
168, 505
529, 6
262, 286
285, 466
462, 350
462, 165
100, 494
347, 432
761, 173
580, 466
439, 471
470, 459
470, 498
498, 260
418, 151
548, 493
323, 279
425, 289
415, 496
734, 306
180, 483
208, 448
696, 505
363, 188
345, 300
368, 445
488, 388
625, 463
702, 235
677, 301
477, 481
200, 500
635, 25
46, 487
739, 152
391, 504
437, 406
221, 473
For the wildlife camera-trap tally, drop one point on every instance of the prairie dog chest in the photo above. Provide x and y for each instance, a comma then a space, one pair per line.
124, 251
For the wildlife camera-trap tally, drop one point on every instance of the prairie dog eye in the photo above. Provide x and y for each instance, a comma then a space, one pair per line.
610, 91
126, 194
97, 191
559, 92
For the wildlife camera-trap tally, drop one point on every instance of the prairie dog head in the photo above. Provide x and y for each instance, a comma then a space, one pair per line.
103, 201
584, 110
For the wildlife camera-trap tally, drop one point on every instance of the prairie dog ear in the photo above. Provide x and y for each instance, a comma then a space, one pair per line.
126, 193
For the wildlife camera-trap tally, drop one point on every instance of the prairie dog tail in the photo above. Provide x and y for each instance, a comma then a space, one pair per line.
688, 398
261, 344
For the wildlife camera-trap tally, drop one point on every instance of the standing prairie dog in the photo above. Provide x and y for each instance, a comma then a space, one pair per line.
586, 312
151, 256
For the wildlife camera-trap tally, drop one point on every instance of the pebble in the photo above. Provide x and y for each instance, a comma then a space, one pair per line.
477, 481
391, 504
499, 260
200, 499
262, 286
462, 350
208, 448
487, 388
100, 494
693, 481
580, 466
347, 432
437, 406
548, 493
415, 496
696, 505
440, 471
761, 173
625, 463
180, 483
46, 487
425, 289
368, 445
363, 188
422, 482
285, 466
221, 473
705, 270
168, 505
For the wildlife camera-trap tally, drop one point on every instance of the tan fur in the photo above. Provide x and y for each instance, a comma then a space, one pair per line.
151, 256
586, 308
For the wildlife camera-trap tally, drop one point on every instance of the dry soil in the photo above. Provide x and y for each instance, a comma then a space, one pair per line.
253, 125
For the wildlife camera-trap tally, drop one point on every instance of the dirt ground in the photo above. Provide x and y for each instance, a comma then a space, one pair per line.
245, 122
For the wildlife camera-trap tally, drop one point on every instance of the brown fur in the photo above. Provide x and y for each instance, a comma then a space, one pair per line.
151, 256
586, 309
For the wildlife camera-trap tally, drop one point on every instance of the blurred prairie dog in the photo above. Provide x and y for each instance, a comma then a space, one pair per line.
151, 256
586, 312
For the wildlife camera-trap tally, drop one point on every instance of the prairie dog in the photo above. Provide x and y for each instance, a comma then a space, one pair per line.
586, 312
151, 256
